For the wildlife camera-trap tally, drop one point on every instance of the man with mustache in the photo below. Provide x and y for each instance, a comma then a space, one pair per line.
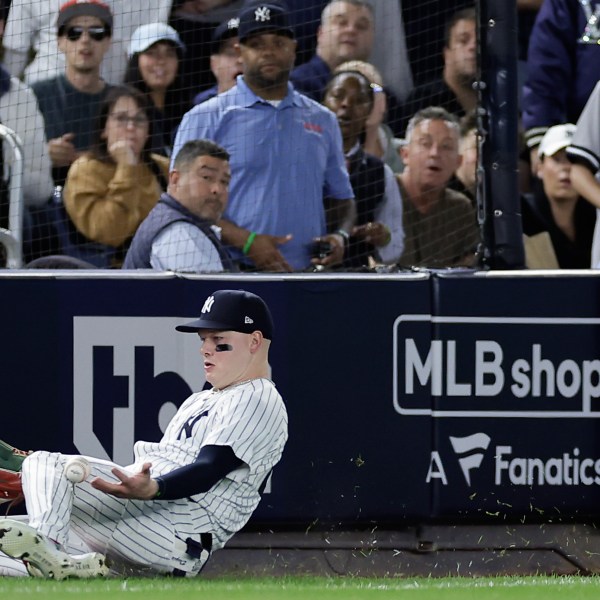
180, 233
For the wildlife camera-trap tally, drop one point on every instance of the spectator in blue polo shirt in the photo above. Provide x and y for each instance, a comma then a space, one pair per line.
286, 155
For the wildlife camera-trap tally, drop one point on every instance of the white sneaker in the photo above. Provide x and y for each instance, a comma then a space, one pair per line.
43, 558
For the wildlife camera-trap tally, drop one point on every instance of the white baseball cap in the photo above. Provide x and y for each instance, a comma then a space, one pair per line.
146, 35
556, 138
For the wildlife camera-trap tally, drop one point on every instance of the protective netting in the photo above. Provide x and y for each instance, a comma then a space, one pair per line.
376, 65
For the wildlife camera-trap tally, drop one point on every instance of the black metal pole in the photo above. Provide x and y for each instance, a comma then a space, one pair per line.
498, 193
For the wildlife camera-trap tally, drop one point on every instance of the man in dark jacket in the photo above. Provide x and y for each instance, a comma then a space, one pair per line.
563, 65
453, 90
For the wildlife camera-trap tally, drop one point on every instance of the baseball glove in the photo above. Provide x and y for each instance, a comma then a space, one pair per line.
11, 458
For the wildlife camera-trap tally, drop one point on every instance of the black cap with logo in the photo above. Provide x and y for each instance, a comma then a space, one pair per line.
233, 310
264, 18
226, 30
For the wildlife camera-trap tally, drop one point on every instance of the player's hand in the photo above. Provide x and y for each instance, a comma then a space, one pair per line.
375, 233
62, 150
265, 253
336, 256
133, 487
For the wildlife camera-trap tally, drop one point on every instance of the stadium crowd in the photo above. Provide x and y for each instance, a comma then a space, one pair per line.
334, 134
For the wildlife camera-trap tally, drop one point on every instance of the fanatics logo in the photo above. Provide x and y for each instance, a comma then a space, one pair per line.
470, 450
313, 127
208, 304
262, 13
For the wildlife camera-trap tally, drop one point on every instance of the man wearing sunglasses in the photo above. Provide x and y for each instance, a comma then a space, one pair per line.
70, 102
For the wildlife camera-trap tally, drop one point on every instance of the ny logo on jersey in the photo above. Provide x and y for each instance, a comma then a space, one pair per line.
591, 33
186, 430
208, 304
262, 13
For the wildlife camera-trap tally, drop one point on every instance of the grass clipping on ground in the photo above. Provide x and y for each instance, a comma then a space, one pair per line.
310, 588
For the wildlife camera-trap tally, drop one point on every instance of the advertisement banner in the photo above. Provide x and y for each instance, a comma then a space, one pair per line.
410, 397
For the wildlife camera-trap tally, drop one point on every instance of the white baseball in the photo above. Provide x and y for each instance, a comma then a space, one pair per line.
77, 469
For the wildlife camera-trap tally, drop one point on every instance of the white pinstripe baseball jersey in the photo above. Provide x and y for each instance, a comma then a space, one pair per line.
251, 418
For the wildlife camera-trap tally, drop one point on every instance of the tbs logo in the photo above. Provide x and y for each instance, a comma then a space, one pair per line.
130, 375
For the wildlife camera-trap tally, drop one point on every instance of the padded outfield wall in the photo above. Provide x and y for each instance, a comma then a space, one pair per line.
465, 397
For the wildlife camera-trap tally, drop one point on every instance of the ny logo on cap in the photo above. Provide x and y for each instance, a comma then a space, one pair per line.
262, 13
208, 304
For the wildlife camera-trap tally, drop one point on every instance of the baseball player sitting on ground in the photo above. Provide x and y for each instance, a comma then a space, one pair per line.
184, 496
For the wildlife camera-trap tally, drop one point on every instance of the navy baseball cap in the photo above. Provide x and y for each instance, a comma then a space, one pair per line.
233, 310
226, 30
262, 18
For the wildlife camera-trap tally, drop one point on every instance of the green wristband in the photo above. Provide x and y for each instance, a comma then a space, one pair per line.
388, 236
248, 243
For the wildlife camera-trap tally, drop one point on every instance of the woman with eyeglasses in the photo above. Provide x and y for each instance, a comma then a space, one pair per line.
110, 189
155, 52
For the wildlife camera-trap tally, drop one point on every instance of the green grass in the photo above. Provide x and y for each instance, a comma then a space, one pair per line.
459, 588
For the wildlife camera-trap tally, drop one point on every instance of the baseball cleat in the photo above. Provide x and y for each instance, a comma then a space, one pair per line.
45, 559
11, 458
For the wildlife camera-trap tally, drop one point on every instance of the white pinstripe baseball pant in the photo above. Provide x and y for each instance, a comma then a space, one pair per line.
139, 536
